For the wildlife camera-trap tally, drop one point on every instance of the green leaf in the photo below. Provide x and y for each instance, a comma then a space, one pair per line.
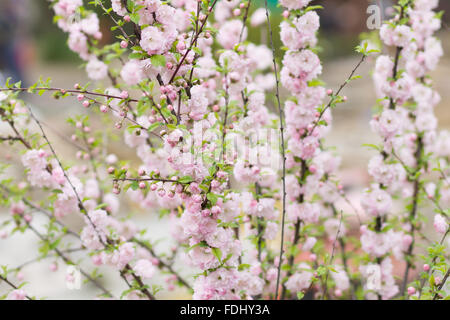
243, 266
134, 185
153, 126
212, 198
158, 60
185, 179
217, 253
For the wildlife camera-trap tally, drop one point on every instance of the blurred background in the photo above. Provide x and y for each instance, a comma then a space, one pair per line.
32, 46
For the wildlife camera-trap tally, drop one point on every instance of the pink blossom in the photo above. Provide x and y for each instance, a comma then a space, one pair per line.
440, 224
152, 40
376, 201
229, 33
18, 294
144, 268
300, 280
294, 4
132, 72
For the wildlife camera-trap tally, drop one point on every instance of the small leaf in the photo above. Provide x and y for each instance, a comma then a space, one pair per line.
158, 60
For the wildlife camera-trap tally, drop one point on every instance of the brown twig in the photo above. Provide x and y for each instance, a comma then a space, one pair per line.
282, 147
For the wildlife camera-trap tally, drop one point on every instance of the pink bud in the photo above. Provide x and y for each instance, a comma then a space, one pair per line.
80, 97
181, 46
142, 185
221, 174
103, 108
285, 14
411, 290
363, 229
53, 267
215, 184
216, 210
329, 92
97, 260
123, 44
111, 170
124, 95
426, 267
70, 278
179, 188
127, 18
197, 198
42, 153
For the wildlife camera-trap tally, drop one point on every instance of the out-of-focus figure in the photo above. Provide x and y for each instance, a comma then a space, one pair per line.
15, 50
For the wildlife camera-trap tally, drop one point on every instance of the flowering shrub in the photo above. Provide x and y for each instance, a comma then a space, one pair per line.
249, 187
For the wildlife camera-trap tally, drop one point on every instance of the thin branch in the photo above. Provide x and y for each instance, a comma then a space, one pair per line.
12, 285
244, 20
68, 91
163, 264
39, 258
68, 261
413, 213
152, 179
9, 138
41, 210
441, 285
333, 97
83, 209
210, 9
225, 119
332, 256
280, 113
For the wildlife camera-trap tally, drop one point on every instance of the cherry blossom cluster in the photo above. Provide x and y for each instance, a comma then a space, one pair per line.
313, 186
407, 127
249, 188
